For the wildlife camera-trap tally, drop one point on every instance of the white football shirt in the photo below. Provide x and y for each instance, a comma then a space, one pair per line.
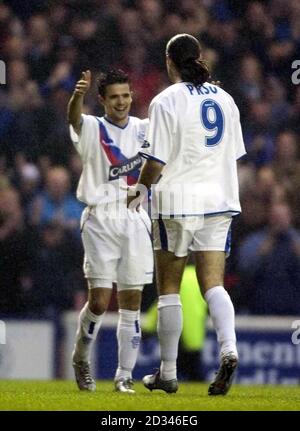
110, 157
196, 133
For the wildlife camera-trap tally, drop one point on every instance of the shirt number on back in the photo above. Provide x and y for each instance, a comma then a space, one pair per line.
212, 118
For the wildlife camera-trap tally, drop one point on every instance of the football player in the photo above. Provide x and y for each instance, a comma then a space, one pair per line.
117, 243
194, 140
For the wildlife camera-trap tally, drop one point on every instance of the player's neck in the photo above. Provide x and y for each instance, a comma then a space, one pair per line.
116, 122
176, 79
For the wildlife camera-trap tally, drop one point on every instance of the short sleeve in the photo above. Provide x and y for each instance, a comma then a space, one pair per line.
159, 139
143, 131
84, 141
240, 150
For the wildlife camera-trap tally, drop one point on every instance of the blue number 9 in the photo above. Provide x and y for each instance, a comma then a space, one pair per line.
215, 125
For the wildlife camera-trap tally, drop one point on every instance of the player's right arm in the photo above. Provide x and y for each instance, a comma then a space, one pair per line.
76, 102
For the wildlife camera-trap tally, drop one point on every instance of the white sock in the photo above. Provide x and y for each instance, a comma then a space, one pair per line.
87, 330
129, 337
169, 329
222, 314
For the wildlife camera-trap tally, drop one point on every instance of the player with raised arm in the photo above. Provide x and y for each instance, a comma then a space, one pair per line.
117, 246
194, 140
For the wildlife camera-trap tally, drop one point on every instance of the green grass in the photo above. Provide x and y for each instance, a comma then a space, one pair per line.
63, 395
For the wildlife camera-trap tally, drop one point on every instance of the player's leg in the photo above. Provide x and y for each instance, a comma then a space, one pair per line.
128, 334
169, 271
210, 272
89, 323
171, 242
101, 253
210, 267
135, 269
90, 319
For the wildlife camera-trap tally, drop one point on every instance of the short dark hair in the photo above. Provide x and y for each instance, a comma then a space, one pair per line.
113, 76
184, 50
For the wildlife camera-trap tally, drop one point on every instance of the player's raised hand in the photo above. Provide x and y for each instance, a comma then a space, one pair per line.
84, 84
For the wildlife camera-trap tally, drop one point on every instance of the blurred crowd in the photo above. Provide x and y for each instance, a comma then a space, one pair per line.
250, 47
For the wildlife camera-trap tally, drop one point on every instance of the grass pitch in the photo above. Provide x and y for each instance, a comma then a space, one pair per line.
63, 395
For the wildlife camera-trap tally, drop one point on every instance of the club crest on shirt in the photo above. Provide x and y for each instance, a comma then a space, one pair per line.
125, 168
141, 136
146, 144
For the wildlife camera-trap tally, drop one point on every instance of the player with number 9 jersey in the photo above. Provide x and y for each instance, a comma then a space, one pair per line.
194, 140
196, 133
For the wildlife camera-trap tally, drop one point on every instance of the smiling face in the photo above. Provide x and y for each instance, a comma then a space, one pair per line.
117, 103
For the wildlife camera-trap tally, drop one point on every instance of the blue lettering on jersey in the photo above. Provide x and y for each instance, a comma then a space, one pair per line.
214, 125
191, 88
201, 89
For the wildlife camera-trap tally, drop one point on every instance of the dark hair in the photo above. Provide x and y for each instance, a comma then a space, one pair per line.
184, 50
114, 76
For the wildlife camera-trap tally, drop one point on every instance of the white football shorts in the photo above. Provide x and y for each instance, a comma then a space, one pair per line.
200, 233
117, 249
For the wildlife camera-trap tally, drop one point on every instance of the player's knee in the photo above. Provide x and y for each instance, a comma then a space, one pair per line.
168, 288
130, 300
133, 306
209, 282
98, 305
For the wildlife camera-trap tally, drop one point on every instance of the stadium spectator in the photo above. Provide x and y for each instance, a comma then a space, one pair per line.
269, 261
27, 180
55, 204
53, 273
12, 251
286, 167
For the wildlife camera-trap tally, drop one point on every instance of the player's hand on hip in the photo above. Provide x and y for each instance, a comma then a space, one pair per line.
134, 199
84, 84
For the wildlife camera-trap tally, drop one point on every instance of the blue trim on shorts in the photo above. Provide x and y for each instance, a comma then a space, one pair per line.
163, 235
228, 241
172, 216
